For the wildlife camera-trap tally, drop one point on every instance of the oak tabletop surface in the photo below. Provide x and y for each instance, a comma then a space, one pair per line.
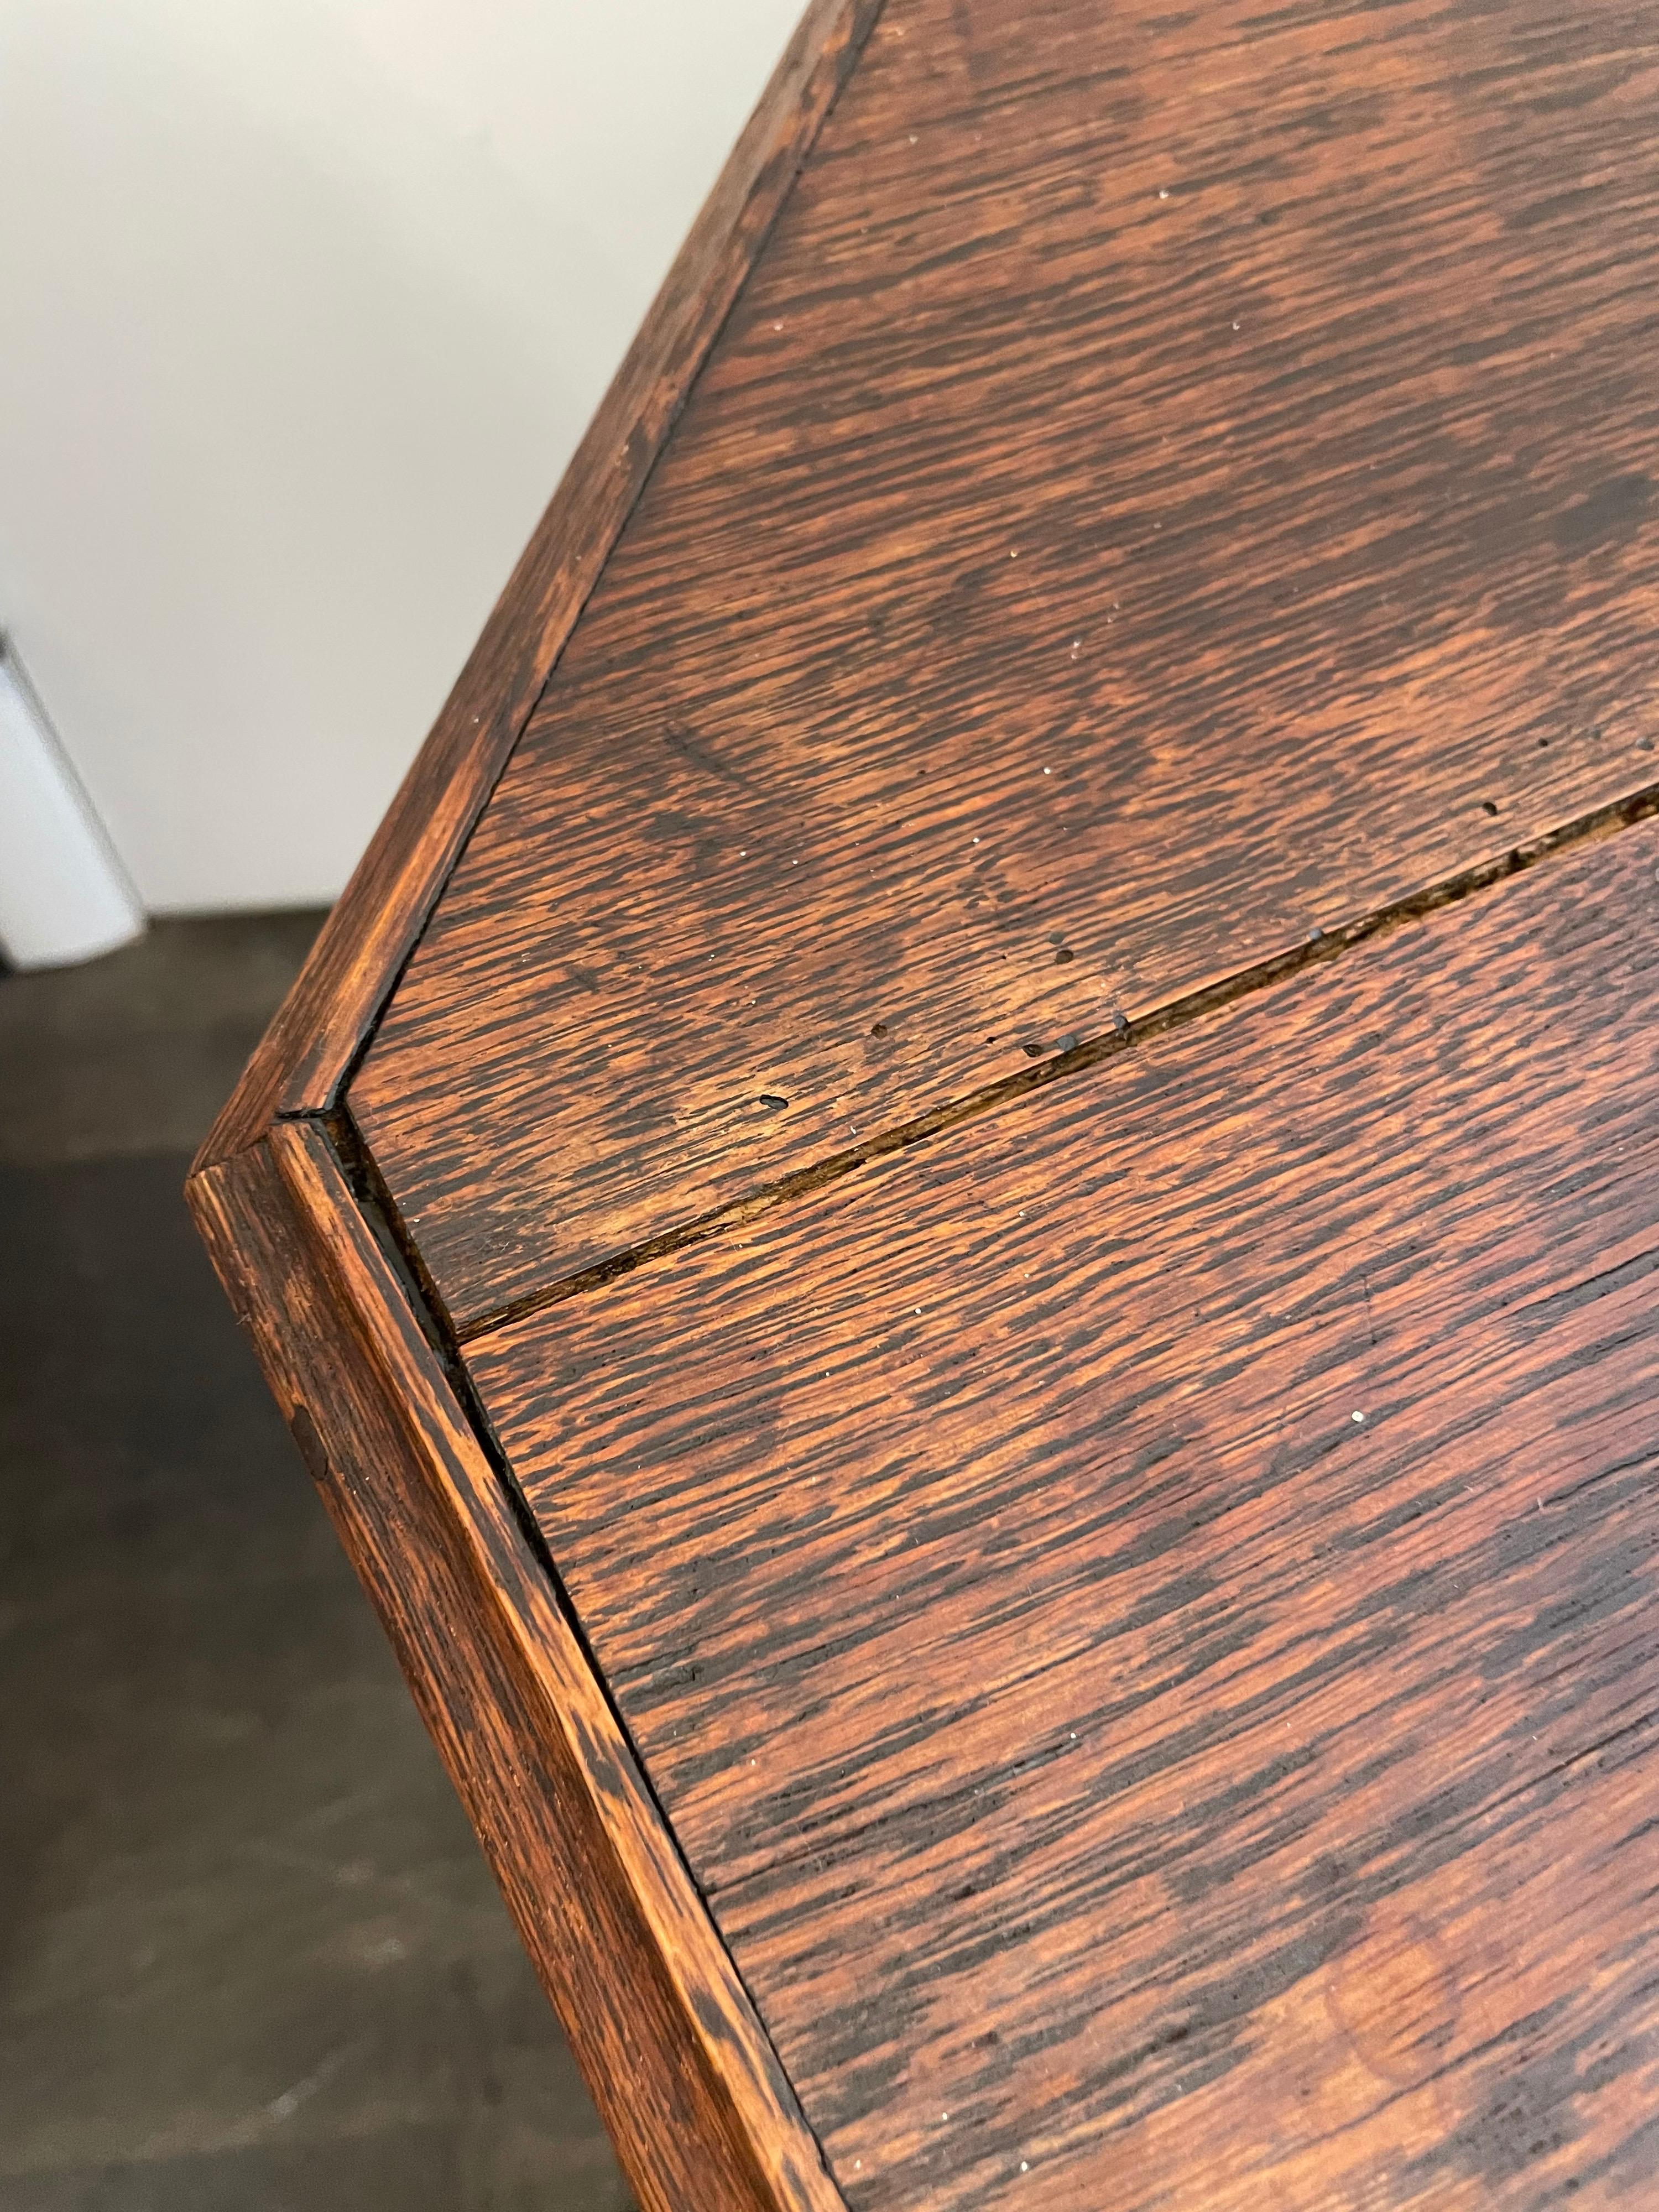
1173, 481
963, 1217
1141, 1610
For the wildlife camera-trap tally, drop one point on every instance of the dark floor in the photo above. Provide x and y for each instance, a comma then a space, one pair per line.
249, 1957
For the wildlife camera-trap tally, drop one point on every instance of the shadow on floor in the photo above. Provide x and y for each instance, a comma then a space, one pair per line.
249, 1957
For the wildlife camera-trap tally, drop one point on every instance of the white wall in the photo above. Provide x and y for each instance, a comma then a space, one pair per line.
303, 305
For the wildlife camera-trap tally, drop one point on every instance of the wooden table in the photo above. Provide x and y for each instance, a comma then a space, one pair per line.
964, 1215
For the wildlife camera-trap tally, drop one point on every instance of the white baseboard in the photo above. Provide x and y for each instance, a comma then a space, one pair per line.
63, 893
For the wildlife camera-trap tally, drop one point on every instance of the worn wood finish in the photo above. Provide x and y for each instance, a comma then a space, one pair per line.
1205, 457
1142, 1612
1109, 1653
689, 2086
302, 1060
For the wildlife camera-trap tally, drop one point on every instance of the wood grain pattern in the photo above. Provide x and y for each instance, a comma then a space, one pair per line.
310, 1045
1172, 481
687, 2084
1142, 1612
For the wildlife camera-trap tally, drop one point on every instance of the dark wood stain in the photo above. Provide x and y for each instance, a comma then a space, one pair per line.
1205, 457
1112, 1658
703, 2118
304, 1058
1141, 1612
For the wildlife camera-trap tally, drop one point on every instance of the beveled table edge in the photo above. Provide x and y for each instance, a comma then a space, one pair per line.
697, 2101
322, 1028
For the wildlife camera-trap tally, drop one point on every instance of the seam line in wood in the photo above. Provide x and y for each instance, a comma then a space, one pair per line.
309, 1163
1321, 946
386, 1227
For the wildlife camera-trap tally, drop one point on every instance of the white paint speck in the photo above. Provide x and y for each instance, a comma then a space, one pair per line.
1360, 1417
1234, 326
1164, 191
